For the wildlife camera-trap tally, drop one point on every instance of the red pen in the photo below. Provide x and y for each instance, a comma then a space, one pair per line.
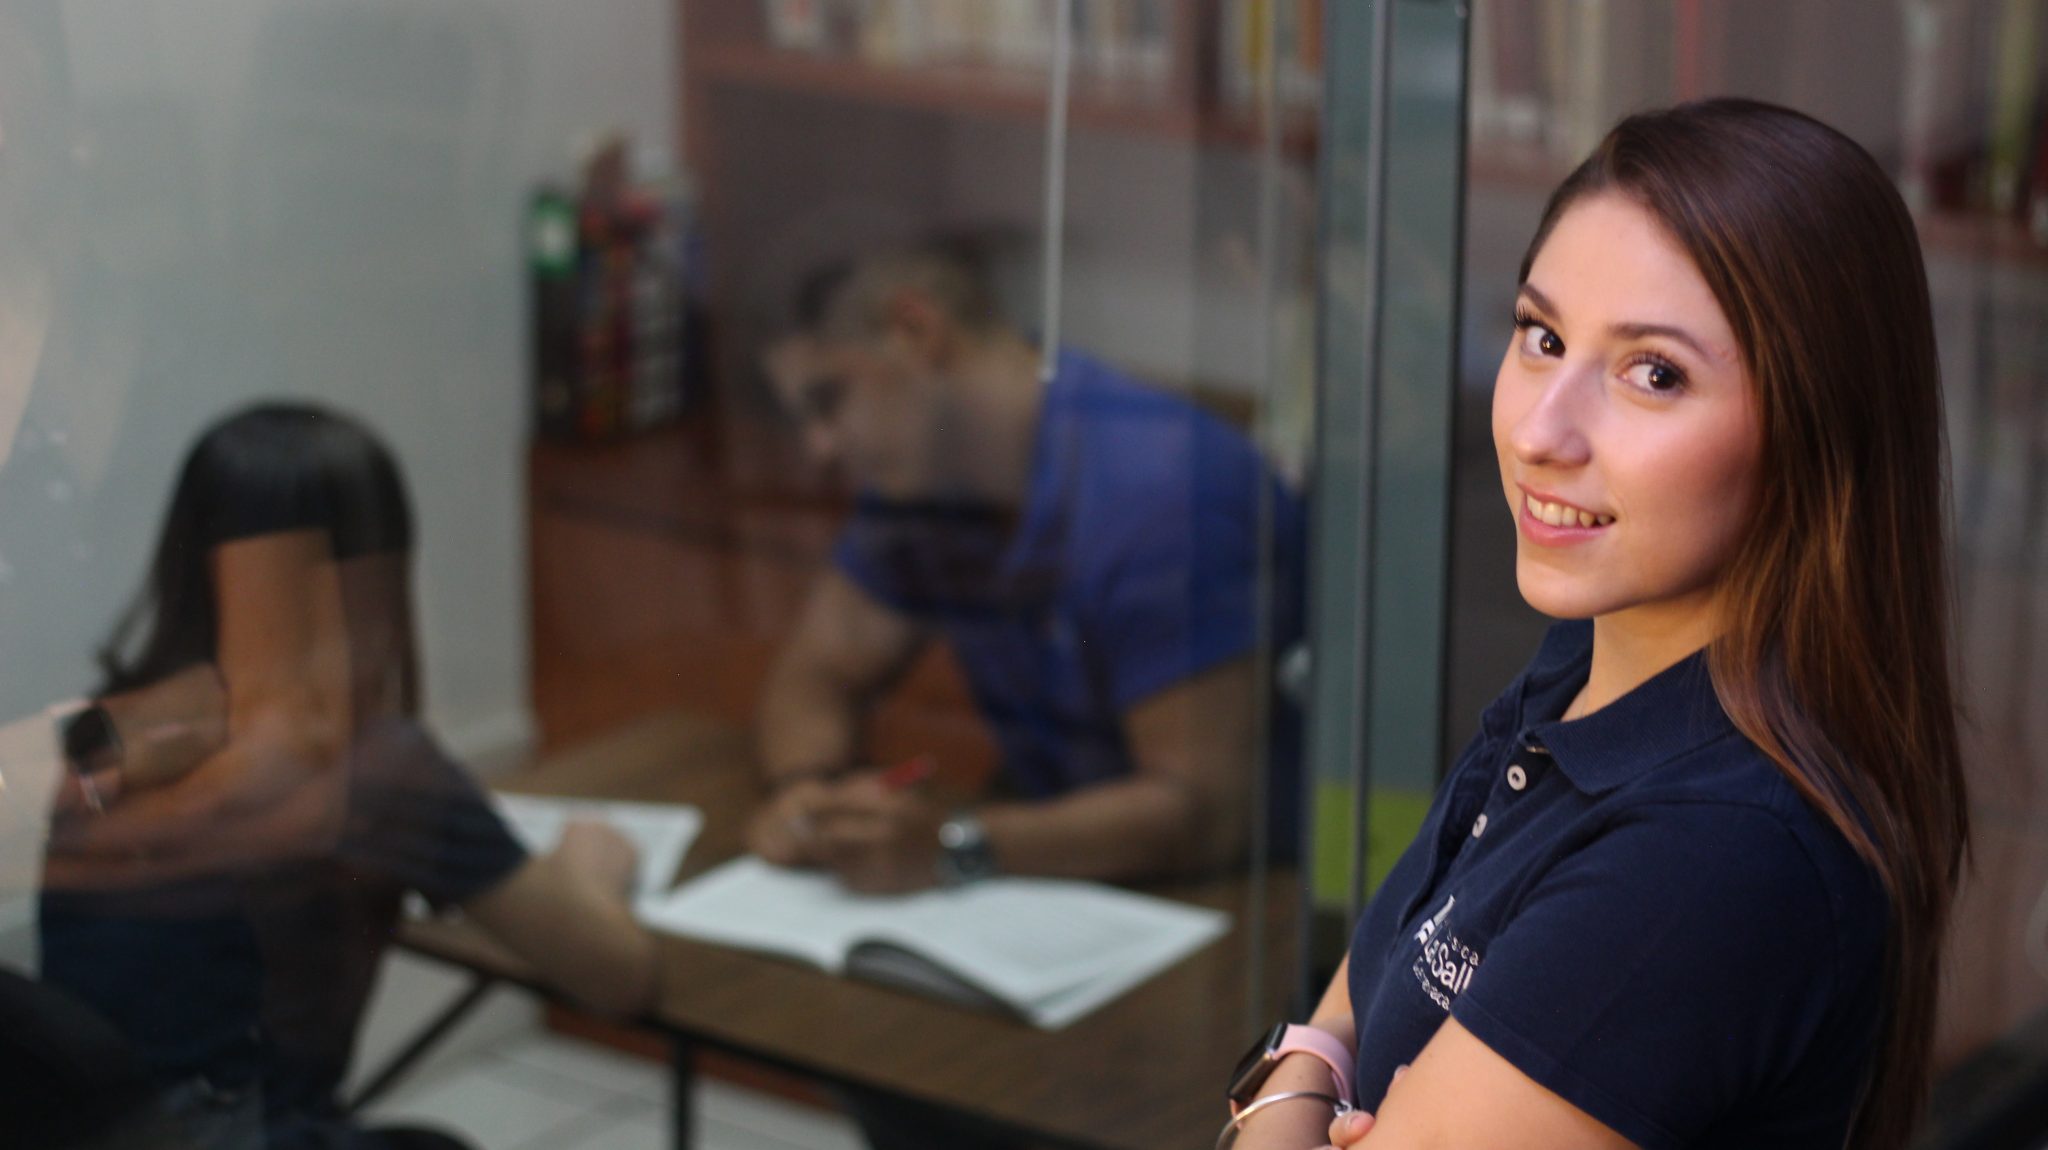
909, 773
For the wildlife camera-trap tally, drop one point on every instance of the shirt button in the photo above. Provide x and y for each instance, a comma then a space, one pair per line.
1478, 826
1518, 778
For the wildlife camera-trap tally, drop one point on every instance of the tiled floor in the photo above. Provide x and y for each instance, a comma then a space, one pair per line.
545, 1092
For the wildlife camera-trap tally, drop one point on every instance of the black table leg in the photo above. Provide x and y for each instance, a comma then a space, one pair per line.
681, 1098
428, 1037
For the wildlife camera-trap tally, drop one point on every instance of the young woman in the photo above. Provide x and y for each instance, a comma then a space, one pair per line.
257, 735
1687, 885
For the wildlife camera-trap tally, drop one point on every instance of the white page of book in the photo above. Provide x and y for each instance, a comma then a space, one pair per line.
31, 769
752, 904
1056, 949
1028, 939
1141, 963
661, 832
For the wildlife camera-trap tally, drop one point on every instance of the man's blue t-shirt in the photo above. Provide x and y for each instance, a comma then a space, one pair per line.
1134, 564
1638, 911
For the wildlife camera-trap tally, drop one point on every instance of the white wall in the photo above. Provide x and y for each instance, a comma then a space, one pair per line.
204, 202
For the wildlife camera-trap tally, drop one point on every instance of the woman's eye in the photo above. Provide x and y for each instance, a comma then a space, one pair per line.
1655, 377
1539, 340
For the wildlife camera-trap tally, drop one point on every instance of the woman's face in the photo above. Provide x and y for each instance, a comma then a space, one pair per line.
1628, 439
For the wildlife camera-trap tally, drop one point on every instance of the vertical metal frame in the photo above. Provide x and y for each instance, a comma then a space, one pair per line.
1393, 184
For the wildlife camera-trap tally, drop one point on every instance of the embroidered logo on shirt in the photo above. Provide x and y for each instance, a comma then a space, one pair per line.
1445, 966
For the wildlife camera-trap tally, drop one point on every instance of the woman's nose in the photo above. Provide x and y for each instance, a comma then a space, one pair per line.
1551, 431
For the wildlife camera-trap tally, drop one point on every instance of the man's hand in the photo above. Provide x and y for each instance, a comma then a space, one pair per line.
785, 830
877, 838
599, 856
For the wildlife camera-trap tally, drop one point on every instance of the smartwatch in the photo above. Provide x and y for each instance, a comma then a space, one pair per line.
1285, 1039
90, 739
964, 853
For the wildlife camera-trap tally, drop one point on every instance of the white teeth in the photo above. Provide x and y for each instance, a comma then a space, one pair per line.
1559, 515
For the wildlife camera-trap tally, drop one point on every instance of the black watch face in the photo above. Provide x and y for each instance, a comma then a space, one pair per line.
88, 735
1254, 1062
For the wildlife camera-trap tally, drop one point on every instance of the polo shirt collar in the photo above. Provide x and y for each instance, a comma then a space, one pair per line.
1672, 713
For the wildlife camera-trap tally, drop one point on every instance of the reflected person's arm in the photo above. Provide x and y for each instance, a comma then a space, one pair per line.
163, 730
279, 786
1185, 809
170, 726
846, 650
567, 913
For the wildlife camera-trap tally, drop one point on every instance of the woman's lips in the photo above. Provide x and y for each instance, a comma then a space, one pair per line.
1556, 523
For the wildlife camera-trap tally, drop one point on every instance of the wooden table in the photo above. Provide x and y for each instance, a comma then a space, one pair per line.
1145, 1071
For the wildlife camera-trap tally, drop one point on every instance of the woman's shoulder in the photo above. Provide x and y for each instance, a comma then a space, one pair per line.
1730, 794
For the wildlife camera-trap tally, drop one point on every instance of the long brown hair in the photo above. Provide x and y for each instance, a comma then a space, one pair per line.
1834, 658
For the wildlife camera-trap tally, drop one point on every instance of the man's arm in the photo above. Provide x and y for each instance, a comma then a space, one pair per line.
846, 650
1185, 808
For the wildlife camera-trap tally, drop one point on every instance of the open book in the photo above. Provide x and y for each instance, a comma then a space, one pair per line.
661, 832
1046, 950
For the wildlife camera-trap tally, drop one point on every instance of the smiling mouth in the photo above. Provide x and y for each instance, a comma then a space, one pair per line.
1562, 514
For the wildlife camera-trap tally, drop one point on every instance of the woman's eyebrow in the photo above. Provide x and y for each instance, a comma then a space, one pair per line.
1629, 330
1639, 330
1541, 301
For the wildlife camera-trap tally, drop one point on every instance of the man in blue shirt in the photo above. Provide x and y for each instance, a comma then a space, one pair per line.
1097, 554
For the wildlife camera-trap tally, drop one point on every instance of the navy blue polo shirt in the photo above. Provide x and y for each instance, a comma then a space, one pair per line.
1637, 910
1134, 564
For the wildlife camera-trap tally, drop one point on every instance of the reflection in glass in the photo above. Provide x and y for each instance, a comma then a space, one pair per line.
255, 796
1087, 547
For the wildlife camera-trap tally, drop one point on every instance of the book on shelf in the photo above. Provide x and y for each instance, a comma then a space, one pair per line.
1048, 951
609, 272
1115, 42
1285, 34
1973, 111
2013, 86
1507, 92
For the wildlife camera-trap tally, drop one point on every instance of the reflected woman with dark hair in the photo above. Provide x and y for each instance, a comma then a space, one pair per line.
259, 795
1688, 885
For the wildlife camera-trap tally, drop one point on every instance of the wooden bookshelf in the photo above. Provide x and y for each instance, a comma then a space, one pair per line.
726, 45
953, 89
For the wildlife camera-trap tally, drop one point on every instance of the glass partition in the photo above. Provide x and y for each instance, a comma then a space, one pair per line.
470, 466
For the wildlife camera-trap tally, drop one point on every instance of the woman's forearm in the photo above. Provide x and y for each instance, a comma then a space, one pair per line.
581, 940
1301, 1124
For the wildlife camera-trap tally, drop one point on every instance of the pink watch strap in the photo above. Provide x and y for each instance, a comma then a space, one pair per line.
1322, 1045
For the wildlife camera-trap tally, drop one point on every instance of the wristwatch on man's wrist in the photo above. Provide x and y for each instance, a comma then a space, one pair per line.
1258, 1063
964, 853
